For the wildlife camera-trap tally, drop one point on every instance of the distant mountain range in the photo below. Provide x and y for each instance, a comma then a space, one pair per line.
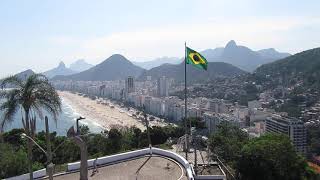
60, 70
242, 56
231, 58
80, 65
76, 67
116, 67
157, 62
239, 56
303, 66
215, 69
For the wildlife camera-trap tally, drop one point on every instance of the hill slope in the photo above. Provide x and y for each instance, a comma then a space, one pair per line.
25, 74
114, 68
302, 66
215, 69
22, 75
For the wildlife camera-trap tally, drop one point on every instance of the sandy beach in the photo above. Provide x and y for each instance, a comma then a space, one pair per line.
102, 114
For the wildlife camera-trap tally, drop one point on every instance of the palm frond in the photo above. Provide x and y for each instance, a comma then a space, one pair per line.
37, 110
34, 95
45, 96
8, 93
12, 80
9, 109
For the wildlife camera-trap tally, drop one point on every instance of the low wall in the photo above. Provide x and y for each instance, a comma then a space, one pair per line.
110, 159
211, 177
176, 157
36, 174
135, 154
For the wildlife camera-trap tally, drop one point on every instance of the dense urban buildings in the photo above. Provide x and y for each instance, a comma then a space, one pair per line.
291, 127
163, 87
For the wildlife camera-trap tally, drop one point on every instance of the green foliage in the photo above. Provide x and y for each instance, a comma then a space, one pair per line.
12, 162
313, 139
227, 142
115, 137
302, 66
196, 122
14, 137
84, 130
270, 157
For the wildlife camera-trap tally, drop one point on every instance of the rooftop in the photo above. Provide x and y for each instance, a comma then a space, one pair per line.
143, 168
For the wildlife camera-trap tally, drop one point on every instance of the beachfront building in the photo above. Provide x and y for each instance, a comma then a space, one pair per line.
211, 121
163, 87
292, 127
129, 86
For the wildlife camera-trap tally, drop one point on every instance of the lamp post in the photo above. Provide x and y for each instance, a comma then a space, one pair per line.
148, 130
79, 119
48, 156
83, 149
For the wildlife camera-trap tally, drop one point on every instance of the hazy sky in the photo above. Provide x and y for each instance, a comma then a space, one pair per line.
37, 34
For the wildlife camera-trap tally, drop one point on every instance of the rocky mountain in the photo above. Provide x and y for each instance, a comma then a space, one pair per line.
22, 75
60, 70
242, 56
303, 67
157, 62
80, 65
271, 53
25, 74
215, 69
114, 68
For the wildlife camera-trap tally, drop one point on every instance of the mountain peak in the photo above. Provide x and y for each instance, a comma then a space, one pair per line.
117, 56
116, 67
60, 70
80, 65
61, 65
231, 44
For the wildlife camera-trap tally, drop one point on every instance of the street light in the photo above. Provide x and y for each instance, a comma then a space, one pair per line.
79, 119
147, 126
24, 135
50, 165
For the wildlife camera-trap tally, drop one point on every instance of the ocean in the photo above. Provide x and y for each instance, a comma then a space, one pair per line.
65, 120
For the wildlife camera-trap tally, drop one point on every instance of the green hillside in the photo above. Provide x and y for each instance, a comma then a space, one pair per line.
302, 67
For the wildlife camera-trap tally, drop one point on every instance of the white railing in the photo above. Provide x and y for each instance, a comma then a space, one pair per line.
134, 154
36, 174
118, 158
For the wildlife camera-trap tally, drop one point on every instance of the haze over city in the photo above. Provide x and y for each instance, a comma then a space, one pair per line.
33, 32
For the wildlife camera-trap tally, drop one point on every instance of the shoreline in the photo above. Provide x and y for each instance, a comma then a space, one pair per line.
102, 114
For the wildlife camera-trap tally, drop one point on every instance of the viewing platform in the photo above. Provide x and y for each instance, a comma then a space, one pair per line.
144, 164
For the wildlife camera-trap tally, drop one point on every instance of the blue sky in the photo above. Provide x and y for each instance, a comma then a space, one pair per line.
38, 34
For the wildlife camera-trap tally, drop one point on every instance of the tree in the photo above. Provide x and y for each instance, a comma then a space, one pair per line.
313, 139
270, 157
115, 137
227, 142
196, 122
33, 95
12, 162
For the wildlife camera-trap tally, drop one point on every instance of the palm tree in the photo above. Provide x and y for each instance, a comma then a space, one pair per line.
31, 96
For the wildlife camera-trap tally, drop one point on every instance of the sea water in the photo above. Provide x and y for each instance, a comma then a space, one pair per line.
66, 119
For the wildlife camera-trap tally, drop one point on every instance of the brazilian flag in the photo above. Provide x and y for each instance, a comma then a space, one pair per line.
196, 59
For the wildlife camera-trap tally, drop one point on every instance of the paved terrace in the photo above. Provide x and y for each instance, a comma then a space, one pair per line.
143, 168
